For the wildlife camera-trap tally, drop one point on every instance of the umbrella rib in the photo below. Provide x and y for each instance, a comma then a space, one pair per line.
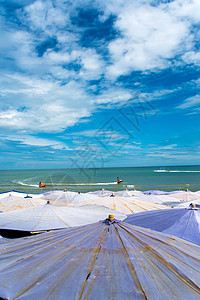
186, 225
140, 206
44, 248
96, 253
137, 282
48, 228
35, 280
157, 239
158, 256
38, 222
114, 204
126, 205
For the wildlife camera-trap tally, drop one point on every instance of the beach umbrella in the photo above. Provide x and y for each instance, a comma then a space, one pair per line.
184, 223
4, 194
124, 204
12, 203
47, 216
161, 199
174, 192
116, 261
58, 195
188, 204
18, 194
127, 193
68, 198
12, 193
101, 193
155, 192
60, 198
80, 198
185, 195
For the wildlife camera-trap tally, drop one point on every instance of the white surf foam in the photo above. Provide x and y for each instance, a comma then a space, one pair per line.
26, 184
97, 183
175, 171
68, 184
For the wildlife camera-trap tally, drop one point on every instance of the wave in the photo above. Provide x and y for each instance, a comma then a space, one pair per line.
175, 171
97, 183
68, 184
26, 184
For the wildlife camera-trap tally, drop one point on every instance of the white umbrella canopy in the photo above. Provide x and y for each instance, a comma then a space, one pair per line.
184, 223
46, 217
188, 203
127, 193
80, 198
101, 193
161, 199
13, 203
185, 195
60, 198
155, 192
136, 193
117, 261
67, 198
125, 205
63, 196
19, 194
3, 195
188, 227
12, 193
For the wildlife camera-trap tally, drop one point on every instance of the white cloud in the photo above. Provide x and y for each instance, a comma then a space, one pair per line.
36, 141
49, 97
42, 105
192, 57
43, 15
92, 66
190, 102
150, 37
114, 95
59, 57
186, 9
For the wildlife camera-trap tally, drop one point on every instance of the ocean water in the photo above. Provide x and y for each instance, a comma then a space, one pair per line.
140, 178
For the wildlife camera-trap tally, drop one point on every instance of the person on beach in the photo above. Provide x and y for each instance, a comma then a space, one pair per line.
28, 196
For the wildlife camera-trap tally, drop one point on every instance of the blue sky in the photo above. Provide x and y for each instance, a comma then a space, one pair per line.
99, 83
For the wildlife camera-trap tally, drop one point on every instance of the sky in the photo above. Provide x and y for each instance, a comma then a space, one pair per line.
92, 84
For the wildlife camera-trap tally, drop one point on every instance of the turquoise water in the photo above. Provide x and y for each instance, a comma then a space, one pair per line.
143, 178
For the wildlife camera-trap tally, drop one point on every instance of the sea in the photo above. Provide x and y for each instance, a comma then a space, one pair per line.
84, 180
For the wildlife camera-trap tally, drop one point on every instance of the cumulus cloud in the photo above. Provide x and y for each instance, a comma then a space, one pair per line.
151, 36
186, 9
192, 57
43, 15
42, 105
